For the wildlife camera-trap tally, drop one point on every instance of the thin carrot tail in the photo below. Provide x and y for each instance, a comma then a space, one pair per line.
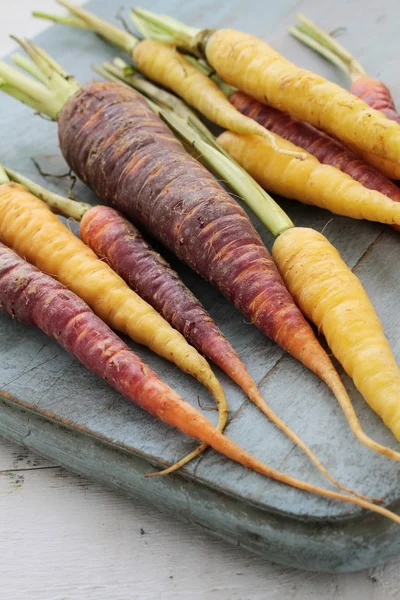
216, 389
244, 380
179, 414
259, 401
181, 463
337, 387
318, 361
228, 448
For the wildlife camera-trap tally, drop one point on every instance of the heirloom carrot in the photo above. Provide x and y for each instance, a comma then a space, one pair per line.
309, 181
372, 91
112, 139
312, 269
37, 299
326, 149
256, 68
162, 63
117, 241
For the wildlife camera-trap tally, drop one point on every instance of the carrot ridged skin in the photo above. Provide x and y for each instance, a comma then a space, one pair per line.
46, 242
312, 267
326, 149
376, 94
308, 181
163, 64
256, 68
112, 237
113, 141
37, 299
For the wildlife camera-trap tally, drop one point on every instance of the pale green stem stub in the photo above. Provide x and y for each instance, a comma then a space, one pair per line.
3, 176
58, 204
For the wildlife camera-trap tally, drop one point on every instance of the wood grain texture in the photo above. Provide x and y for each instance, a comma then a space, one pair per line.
45, 373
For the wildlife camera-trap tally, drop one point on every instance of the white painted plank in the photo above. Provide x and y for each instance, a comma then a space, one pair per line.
16, 458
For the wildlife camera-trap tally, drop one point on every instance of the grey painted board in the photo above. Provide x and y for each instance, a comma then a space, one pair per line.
74, 418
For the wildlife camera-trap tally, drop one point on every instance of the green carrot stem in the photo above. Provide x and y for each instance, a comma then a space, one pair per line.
331, 57
37, 106
29, 66
86, 20
167, 29
261, 203
57, 79
58, 204
3, 176
121, 69
324, 44
28, 91
61, 20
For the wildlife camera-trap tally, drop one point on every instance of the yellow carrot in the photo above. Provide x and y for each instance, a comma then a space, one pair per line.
29, 227
312, 268
309, 181
256, 68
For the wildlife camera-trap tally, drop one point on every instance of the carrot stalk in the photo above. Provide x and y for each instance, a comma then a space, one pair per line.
118, 242
206, 228
257, 69
168, 67
35, 298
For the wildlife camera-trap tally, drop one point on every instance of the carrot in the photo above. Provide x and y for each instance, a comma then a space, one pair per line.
166, 66
345, 316
372, 91
145, 172
117, 241
37, 299
326, 149
256, 68
309, 181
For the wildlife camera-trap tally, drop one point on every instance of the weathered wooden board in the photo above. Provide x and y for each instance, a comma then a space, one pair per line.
55, 407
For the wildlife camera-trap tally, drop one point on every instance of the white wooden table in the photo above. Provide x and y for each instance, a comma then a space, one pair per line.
64, 538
